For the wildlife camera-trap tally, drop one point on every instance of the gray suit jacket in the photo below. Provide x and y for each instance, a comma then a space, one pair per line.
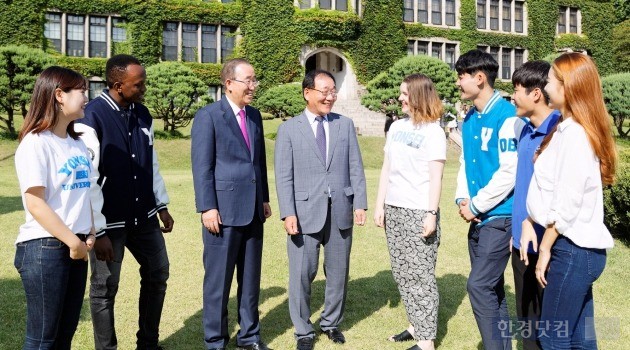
303, 177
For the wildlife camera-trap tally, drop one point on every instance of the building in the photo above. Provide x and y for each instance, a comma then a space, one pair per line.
308, 34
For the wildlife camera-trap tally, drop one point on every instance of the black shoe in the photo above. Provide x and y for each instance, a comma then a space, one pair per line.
216, 349
335, 335
305, 344
400, 337
254, 346
415, 347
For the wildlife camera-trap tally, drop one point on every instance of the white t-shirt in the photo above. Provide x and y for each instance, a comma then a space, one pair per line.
63, 167
410, 148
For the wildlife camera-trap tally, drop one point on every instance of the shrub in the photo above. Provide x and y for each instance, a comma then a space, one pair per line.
621, 46
383, 90
282, 101
617, 201
19, 68
616, 89
174, 94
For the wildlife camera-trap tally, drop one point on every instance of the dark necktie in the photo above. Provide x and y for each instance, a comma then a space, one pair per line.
320, 137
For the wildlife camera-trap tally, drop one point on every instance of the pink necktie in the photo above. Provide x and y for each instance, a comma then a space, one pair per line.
241, 113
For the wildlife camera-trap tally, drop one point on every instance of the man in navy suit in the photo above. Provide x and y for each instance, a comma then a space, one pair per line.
232, 195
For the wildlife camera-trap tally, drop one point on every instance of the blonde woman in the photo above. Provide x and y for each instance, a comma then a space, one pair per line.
407, 205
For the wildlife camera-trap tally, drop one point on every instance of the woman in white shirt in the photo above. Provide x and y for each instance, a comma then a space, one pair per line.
407, 205
565, 195
53, 167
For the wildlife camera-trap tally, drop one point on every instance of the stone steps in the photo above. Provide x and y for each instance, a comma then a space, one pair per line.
366, 122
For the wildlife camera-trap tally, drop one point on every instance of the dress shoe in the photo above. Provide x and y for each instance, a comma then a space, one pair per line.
254, 346
305, 344
335, 335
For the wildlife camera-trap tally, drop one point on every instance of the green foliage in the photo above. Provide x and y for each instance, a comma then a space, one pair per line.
572, 41
22, 23
621, 46
616, 89
323, 27
19, 68
383, 90
174, 94
382, 41
622, 10
89, 67
282, 101
617, 201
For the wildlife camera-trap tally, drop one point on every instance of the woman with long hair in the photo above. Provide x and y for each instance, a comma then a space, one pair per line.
53, 168
407, 205
565, 196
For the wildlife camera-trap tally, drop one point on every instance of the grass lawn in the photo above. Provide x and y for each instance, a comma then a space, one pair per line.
373, 310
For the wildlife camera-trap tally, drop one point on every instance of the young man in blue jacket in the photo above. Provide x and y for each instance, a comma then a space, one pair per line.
484, 191
118, 130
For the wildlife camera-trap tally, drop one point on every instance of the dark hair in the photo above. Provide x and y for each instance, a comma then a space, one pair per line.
532, 75
475, 61
309, 78
229, 68
42, 113
116, 68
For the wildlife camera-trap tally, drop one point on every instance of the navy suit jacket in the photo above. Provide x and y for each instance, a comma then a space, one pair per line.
226, 175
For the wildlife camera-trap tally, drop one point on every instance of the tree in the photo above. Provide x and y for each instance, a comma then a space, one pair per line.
19, 68
174, 94
283, 101
621, 46
616, 89
383, 90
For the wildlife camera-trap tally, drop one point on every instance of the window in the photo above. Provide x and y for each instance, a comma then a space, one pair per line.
436, 11
119, 32
562, 20
494, 14
208, 44
98, 36
408, 11
573, 20
214, 91
325, 4
305, 4
423, 11
518, 16
341, 5
95, 89
228, 41
84, 35
440, 48
451, 50
481, 14
169, 42
506, 63
227, 1
52, 29
189, 42
76, 36
507, 15
508, 59
450, 12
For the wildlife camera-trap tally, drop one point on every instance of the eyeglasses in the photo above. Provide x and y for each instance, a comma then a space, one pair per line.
248, 82
332, 93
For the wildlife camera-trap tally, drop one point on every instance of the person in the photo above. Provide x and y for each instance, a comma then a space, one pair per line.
407, 205
389, 119
320, 182
53, 169
531, 102
565, 196
118, 130
484, 190
231, 193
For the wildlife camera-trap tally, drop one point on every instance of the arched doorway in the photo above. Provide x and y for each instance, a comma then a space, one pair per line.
332, 60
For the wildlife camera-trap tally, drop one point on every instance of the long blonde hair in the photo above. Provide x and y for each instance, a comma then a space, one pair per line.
424, 103
584, 100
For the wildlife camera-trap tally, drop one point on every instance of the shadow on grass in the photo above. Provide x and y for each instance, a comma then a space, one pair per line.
190, 336
452, 289
10, 204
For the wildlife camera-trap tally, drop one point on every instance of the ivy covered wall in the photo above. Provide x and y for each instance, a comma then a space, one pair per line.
274, 31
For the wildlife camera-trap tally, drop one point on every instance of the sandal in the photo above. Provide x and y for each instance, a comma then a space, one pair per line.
400, 337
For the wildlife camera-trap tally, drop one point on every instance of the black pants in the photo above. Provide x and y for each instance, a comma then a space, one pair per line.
528, 298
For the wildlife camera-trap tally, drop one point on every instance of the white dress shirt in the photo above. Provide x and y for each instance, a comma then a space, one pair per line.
566, 188
236, 110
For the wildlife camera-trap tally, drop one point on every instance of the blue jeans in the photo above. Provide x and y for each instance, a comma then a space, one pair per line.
567, 309
54, 285
147, 245
488, 247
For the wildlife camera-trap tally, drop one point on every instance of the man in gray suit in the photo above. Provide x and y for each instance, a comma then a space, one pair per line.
320, 183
